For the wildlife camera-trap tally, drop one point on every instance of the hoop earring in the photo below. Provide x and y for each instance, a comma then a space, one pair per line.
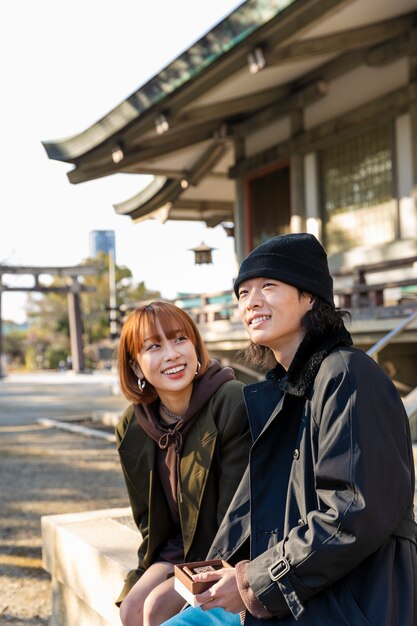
198, 368
141, 384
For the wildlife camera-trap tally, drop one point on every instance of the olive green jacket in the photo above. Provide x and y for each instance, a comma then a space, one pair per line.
213, 460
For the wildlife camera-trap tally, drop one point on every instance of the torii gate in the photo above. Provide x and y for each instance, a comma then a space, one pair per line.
73, 291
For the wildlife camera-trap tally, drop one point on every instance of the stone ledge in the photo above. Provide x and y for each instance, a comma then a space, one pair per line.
88, 556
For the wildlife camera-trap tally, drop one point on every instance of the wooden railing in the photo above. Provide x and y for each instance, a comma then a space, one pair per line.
362, 291
208, 308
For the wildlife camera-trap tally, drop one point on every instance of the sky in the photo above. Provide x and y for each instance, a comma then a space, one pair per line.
64, 65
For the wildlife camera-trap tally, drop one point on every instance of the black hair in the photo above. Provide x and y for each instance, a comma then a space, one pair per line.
323, 317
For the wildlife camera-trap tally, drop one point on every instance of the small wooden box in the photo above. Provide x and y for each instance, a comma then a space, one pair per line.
186, 586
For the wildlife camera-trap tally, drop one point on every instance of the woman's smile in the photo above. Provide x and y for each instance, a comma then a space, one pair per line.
175, 372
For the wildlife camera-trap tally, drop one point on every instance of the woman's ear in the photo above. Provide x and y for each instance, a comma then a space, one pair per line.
136, 368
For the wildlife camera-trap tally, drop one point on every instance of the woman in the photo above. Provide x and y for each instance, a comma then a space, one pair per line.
183, 445
321, 529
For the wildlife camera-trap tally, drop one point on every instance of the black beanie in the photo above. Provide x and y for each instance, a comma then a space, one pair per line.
298, 259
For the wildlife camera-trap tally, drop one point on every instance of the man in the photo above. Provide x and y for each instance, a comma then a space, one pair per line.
321, 530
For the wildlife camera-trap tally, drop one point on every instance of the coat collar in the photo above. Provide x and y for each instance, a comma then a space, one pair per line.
307, 360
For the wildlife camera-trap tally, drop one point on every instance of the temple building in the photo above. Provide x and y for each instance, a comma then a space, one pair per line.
287, 116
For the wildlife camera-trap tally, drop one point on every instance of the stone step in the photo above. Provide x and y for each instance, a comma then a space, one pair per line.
88, 556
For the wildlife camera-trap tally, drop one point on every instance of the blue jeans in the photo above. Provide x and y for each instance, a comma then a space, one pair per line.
197, 617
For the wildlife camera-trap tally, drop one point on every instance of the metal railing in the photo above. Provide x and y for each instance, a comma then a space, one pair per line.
382, 343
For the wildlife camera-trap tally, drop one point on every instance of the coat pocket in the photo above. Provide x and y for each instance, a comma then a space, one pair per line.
339, 605
336, 606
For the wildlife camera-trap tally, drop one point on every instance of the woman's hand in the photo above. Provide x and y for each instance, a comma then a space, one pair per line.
223, 593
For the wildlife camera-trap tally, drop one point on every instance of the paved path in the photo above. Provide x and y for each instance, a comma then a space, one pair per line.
44, 471
25, 398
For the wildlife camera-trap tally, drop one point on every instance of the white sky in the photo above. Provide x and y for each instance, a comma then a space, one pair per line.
63, 66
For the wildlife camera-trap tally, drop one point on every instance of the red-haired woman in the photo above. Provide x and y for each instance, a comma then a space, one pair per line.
183, 445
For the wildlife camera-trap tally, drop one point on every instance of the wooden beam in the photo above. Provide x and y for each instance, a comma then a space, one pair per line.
73, 270
152, 149
313, 86
392, 49
213, 213
379, 55
342, 41
369, 115
148, 170
377, 111
46, 289
236, 106
206, 162
222, 206
282, 107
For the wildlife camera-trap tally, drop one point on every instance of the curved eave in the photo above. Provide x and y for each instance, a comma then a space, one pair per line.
230, 32
144, 197
157, 194
163, 191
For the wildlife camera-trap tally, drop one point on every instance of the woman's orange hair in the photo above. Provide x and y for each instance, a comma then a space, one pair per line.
142, 323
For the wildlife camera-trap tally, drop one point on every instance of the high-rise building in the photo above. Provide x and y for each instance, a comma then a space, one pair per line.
102, 241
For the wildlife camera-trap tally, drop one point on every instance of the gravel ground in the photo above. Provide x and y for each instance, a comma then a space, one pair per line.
45, 471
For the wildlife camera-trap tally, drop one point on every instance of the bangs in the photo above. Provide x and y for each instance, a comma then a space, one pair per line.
172, 320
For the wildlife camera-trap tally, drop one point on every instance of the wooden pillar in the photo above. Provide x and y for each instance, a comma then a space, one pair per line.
413, 121
405, 177
239, 211
297, 220
75, 326
311, 196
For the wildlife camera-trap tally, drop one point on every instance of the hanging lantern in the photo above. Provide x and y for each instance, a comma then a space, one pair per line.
202, 254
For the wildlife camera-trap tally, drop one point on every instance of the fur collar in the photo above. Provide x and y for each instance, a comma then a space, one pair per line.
307, 360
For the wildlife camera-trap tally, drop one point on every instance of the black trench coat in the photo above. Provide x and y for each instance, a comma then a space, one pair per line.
331, 483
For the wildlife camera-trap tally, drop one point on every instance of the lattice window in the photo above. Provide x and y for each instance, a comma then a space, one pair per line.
357, 186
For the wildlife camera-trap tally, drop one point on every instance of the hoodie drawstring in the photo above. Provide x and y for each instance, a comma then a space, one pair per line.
174, 436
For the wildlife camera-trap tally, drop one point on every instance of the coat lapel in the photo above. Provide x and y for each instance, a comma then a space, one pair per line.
195, 465
263, 401
137, 453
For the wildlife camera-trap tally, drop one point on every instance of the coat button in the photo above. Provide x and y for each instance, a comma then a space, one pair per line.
296, 454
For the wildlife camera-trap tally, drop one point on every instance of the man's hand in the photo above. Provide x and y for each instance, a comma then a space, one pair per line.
223, 593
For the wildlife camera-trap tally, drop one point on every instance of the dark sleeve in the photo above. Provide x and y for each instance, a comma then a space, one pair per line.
252, 603
363, 473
